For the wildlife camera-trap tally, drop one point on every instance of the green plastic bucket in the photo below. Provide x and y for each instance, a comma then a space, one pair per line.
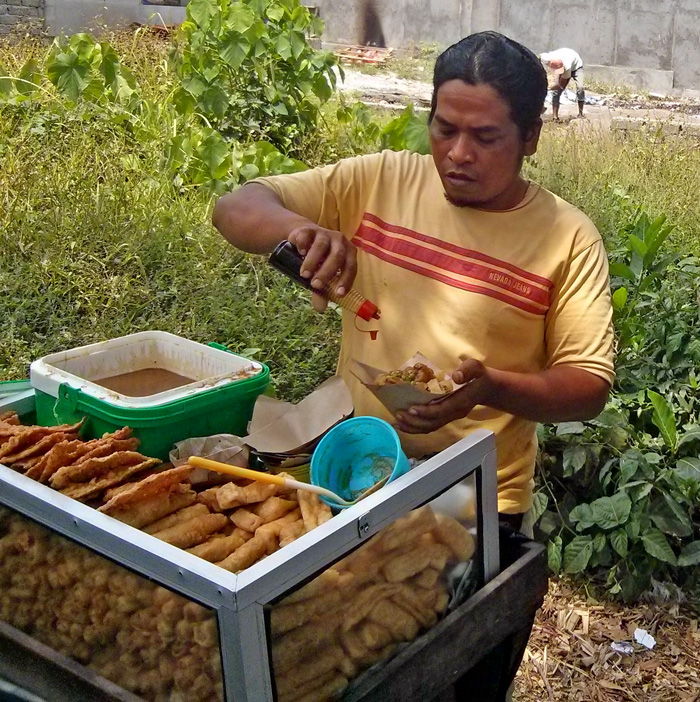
221, 409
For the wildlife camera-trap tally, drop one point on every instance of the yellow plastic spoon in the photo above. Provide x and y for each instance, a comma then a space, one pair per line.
283, 480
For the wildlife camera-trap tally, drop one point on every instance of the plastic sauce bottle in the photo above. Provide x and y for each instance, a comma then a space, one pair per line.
287, 259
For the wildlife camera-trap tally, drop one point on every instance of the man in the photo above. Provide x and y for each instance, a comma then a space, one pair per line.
565, 64
465, 259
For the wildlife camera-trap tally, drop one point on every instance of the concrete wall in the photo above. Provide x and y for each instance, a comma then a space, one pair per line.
70, 16
21, 13
652, 44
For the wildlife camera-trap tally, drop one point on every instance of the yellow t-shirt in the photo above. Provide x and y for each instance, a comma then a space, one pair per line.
521, 290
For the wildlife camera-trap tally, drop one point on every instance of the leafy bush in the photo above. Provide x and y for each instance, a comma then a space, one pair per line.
619, 494
247, 69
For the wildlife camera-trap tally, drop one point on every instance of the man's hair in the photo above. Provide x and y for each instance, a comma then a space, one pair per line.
510, 68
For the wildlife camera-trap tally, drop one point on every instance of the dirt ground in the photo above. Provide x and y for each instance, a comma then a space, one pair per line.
387, 90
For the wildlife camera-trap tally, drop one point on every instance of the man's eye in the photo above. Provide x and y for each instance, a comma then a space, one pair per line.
487, 140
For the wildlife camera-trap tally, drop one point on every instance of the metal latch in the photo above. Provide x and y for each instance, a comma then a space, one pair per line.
363, 526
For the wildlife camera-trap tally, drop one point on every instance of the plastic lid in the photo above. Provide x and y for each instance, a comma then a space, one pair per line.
367, 311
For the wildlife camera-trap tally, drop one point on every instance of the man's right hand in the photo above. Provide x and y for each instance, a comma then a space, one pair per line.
327, 253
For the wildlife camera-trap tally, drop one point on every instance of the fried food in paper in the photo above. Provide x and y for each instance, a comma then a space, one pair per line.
193, 531
420, 375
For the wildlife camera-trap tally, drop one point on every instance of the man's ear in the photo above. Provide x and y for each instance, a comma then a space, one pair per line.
532, 138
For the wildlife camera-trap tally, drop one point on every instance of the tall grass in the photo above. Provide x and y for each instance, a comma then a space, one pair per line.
608, 173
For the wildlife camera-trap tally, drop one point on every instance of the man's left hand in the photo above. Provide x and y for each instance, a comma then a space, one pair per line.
472, 375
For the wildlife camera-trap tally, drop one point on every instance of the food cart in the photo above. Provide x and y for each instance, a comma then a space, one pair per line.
96, 609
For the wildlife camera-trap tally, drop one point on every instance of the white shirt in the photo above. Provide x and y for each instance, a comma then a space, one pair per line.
571, 60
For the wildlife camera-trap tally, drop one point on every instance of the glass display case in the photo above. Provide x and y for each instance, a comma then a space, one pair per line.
304, 623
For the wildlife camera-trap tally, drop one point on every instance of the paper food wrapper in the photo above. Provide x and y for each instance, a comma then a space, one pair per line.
401, 396
283, 427
225, 448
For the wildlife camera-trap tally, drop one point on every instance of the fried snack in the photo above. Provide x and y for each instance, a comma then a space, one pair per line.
147, 487
83, 491
410, 601
9, 417
456, 537
288, 690
365, 601
93, 468
156, 508
407, 529
273, 508
193, 531
62, 454
420, 375
374, 635
427, 578
274, 529
39, 447
209, 498
217, 548
327, 579
176, 517
291, 532
247, 554
313, 510
313, 668
245, 519
26, 436
407, 564
400, 623
288, 649
286, 617
233, 495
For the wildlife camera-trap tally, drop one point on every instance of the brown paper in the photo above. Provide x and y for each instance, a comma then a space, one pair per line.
400, 396
281, 427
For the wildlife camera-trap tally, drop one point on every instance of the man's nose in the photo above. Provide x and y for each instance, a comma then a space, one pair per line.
462, 150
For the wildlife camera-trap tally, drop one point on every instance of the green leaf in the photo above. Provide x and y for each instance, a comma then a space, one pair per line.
201, 12
574, 458
240, 18
554, 553
565, 428
539, 505
663, 419
610, 512
618, 540
6, 83
670, 517
656, 545
622, 271
275, 12
214, 153
69, 74
619, 298
688, 469
30, 78
582, 515
234, 51
690, 554
577, 554
692, 433
299, 44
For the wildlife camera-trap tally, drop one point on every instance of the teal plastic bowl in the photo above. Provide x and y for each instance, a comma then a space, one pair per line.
356, 454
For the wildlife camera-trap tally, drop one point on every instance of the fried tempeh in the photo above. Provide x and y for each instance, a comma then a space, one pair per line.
193, 531
149, 486
154, 508
83, 491
37, 448
93, 468
9, 417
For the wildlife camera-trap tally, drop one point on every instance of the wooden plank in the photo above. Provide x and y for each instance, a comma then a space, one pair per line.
435, 661
39, 669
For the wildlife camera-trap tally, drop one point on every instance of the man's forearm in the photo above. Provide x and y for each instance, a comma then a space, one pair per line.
254, 219
558, 394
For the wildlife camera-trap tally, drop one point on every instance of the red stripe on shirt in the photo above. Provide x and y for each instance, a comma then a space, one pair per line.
450, 264
453, 248
435, 275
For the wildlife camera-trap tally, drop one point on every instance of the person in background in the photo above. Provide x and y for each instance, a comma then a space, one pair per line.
466, 259
565, 64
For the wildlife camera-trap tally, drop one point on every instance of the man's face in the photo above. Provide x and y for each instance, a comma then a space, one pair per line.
477, 148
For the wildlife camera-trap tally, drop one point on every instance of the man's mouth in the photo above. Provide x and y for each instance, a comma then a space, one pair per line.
459, 178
